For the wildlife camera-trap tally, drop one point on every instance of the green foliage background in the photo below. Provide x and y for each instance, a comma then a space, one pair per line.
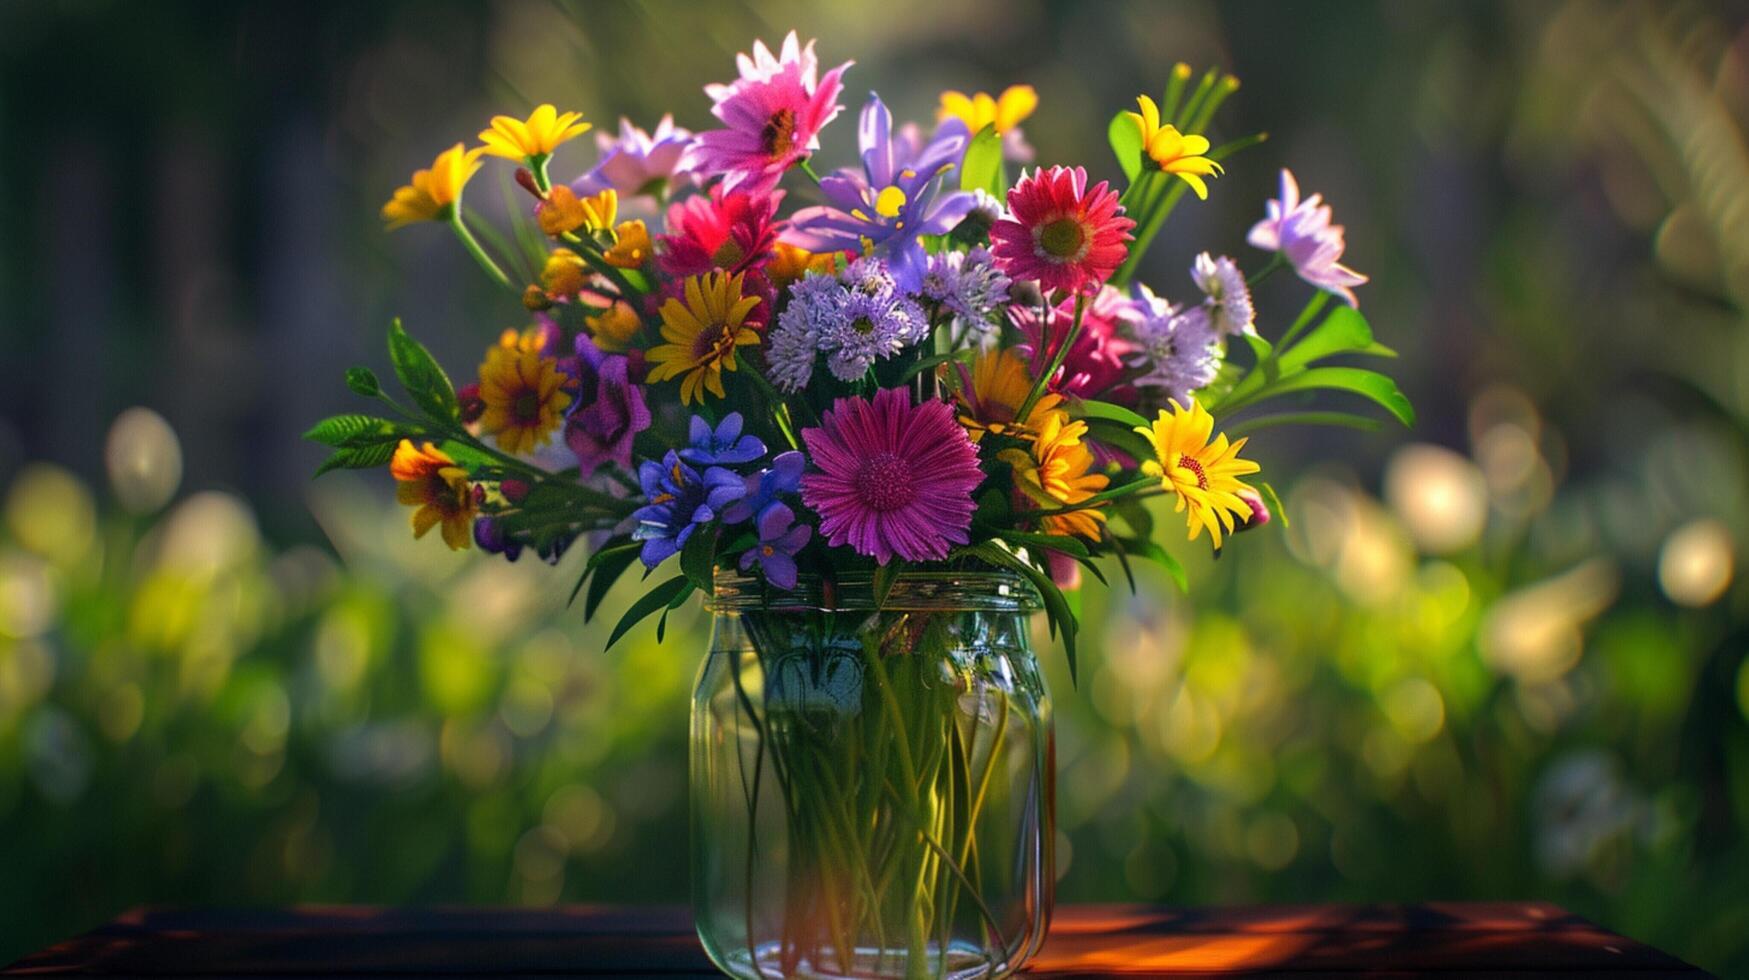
1502, 656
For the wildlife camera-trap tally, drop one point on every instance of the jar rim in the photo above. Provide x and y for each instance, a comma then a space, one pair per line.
964, 591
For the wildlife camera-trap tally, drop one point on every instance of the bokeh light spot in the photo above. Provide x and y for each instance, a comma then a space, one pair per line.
144, 460
1441, 497
1696, 563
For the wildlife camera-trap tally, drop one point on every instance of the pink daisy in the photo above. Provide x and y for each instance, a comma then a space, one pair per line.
773, 114
1095, 365
1062, 234
893, 479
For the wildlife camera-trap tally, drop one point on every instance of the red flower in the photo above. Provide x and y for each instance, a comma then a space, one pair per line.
734, 232
1063, 235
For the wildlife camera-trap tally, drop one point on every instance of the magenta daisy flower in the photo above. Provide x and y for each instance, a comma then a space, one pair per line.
773, 115
1062, 234
893, 479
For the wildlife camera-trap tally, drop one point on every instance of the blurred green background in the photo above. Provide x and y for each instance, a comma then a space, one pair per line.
1502, 656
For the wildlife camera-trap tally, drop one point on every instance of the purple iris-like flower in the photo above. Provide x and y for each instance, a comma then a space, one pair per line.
680, 500
783, 476
895, 200
724, 446
780, 537
636, 162
1301, 231
611, 410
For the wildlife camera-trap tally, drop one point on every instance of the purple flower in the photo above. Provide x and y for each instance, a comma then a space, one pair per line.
1181, 351
871, 327
1229, 297
772, 115
968, 285
896, 198
723, 447
636, 162
892, 478
489, 535
612, 411
794, 343
779, 540
783, 476
855, 319
1301, 231
680, 500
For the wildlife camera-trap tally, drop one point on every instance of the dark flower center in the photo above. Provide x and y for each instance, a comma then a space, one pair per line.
1062, 238
528, 407
1194, 465
777, 137
729, 254
862, 325
884, 482
712, 342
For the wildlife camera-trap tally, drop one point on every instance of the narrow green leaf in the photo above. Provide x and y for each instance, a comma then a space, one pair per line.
1150, 550
662, 596
421, 375
982, 165
884, 577
603, 575
1052, 542
1276, 509
933, 360
1344, 331
1126, 142
1343, 420
1092, 409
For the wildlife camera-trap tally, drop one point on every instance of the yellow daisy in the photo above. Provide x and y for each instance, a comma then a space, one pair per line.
978, 110
432, 194
702, 334
1055, 473
1174, 152
1203, 474
536, 136
430, 481
991, 395
523, 396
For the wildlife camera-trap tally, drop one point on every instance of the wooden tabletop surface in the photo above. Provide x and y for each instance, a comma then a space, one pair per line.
1511, 938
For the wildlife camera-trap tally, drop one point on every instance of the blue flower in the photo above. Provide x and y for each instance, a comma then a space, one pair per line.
779, 540
762, 488
680, 500
895, 200
725, 446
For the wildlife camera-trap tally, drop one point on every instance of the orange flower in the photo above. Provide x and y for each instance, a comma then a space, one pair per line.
565, 273
1055, 474
614, 328
631, 247
428, 479
789, 263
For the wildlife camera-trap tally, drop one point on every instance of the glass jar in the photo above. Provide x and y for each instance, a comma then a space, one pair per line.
873, 784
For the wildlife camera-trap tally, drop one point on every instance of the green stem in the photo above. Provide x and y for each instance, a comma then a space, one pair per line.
1140, 488
1275, 262
807, 167
1039, 383
473, 246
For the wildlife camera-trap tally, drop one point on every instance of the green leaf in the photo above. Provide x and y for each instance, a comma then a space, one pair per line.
1143, 548
1343, 420
1061, 618
1344, 331
698, 558
664, 596
607, 565
358, 457
1053, 542
354, 431
1126, 142
363, 381
1370, 385
1120, 437
421, 375
1092, 409
982, 166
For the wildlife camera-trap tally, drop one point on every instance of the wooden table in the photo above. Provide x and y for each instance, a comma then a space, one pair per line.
1517, 938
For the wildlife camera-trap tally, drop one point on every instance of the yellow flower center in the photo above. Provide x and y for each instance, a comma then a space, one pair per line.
889, 202
777, 138
1063, 238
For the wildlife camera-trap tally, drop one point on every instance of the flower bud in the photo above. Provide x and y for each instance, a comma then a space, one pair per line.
525, 179
472, 405
514, 491
1259, 510
534, 299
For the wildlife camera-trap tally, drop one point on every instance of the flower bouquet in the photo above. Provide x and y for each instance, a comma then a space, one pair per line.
877, 432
